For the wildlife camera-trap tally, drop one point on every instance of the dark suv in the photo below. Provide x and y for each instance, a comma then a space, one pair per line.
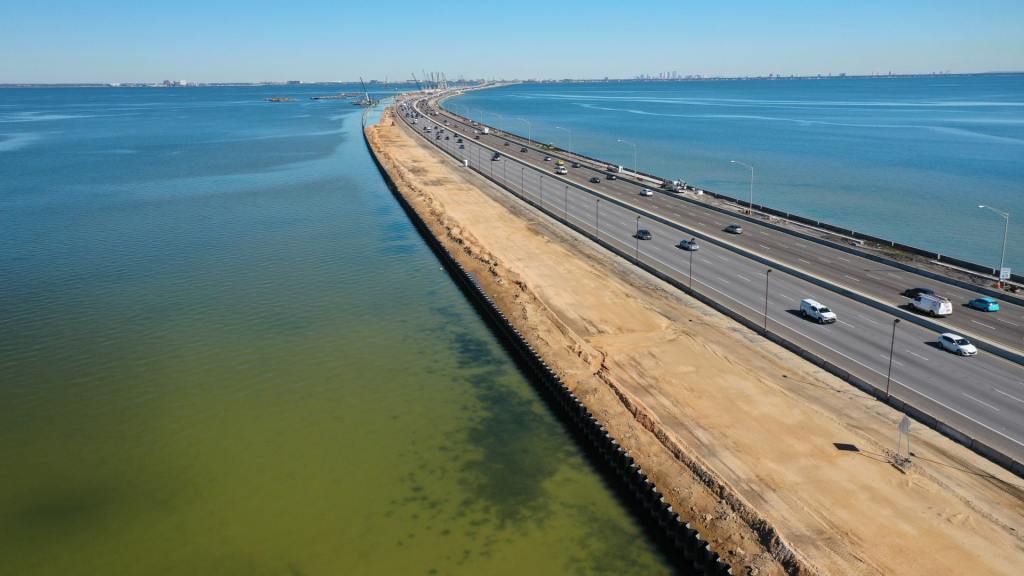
643, 234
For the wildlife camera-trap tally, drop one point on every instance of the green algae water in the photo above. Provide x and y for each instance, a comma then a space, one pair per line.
225, 350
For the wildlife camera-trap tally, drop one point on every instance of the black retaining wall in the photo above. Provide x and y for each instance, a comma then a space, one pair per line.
684, 544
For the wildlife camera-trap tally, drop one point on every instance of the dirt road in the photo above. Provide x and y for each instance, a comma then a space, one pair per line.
781, 465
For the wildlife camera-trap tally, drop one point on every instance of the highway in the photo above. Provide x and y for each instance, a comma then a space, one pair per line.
875, 280
982, 396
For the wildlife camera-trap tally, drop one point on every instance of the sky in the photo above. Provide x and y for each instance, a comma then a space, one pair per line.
45, 41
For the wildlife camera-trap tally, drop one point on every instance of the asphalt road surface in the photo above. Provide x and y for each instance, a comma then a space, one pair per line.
982, 396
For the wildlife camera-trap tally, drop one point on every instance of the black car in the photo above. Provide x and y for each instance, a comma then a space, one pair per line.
915, 292
575, 164
446, 137
523, 149
461, 146
496, 156
506, 142
595, 180
459, 140
612, 177
643, 234
547, 158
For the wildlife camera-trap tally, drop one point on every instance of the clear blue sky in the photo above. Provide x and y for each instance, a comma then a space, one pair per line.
232, 40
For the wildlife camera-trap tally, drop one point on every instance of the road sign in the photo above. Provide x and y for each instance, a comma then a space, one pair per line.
1004, 273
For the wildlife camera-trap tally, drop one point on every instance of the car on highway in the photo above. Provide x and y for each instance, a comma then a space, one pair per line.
523, 149
477, 136
446, 137
461, 146
497, 155
459, 140
612, 177
646, 192
915, 292
507, 142
547, 158
643, 234
957, 344
575, 164
985, 304
734, 229
816, 311
561, 170
689, 245
595, 180
932, 305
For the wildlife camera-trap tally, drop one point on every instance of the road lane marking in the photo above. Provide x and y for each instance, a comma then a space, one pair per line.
843, 259
744, 278
982, 402
723, 280
895, 362
847, 323
763, 246
912, 353
802, 260
852, 278
983, 324
1009, 395
1007, 322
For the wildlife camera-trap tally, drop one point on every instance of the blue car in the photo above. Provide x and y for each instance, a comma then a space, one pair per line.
985, 304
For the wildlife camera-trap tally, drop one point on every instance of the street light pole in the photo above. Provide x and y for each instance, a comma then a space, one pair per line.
597, 219
750, 203
522, 181
569, 149
541, 191
767, 275
1006, 229
635, 173
529, 129
565, 207
892, 348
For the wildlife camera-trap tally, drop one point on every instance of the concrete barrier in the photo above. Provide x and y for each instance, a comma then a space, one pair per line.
917, 414
575, 415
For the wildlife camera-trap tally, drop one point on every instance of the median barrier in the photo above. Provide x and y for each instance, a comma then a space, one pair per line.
561, 400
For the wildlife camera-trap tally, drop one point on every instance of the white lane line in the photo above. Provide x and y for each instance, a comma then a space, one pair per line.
1009, 395
855, 279
763, 246
869, 320
983, 403
804, 261
983, 324
894, 361
744, 278
701, 223
1007, 322
912, 353
893, 274
843, 259
786, 296
723, 280
873, 277
847, 323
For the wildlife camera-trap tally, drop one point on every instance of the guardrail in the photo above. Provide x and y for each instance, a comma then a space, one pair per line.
979, 447
684, 544
971, 266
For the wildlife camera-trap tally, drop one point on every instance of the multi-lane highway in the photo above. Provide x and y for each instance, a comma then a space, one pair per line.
982, 396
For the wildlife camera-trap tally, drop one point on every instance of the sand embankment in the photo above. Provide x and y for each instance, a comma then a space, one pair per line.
741, 436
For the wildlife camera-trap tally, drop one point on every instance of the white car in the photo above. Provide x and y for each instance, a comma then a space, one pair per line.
816, 311
957, 344
646, 192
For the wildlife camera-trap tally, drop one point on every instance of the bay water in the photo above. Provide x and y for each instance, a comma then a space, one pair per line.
225, 350
907, 159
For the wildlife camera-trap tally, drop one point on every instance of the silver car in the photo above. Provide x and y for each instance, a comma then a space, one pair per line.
689, 245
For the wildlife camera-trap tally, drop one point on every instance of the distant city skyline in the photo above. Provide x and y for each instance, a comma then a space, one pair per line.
123, 42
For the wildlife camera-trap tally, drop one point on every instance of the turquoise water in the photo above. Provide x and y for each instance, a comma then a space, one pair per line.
908, 159
225, 350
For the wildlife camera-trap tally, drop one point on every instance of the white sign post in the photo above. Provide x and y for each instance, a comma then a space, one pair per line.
1004, 273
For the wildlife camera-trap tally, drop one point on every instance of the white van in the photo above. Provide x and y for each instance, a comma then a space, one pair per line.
932, 305
816, 311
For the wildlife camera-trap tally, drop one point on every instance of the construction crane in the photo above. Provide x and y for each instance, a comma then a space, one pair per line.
418, 87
